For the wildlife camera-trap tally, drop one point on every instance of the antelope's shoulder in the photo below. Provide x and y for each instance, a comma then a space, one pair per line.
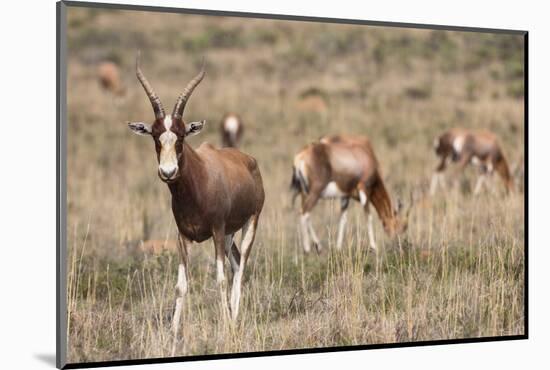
208, 149
231, 156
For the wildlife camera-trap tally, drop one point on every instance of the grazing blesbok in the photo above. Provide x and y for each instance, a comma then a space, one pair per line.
109, 78
480, 148
341, 166
215, 193
231, 128
313, 100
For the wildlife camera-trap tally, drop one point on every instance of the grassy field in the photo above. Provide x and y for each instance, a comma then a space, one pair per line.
458, 272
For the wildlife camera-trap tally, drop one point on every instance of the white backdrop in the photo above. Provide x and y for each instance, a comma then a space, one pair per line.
27, 188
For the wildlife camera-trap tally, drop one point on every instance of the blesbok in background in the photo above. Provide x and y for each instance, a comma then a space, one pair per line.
457, 272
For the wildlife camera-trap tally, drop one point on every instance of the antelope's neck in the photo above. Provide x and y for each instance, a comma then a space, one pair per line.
382, 202
187, 190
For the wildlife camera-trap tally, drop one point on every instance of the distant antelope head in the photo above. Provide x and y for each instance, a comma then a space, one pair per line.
168, 131
231, 127
109, 78
396, 221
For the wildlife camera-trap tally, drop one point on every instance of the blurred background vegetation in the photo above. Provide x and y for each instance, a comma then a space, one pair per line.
291, 82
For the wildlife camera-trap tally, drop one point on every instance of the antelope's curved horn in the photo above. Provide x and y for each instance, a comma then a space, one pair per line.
155, 101
182, 100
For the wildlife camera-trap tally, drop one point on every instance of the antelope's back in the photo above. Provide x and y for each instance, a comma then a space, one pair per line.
344, 158
486, 144
354, 159
237, 169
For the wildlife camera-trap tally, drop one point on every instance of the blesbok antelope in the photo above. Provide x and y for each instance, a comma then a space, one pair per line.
109, 78
215, 193
480, 148
312, 100
345, 167
231, 128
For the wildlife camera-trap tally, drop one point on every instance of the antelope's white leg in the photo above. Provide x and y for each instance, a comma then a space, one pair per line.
220, 272
306, 240
222, 284
248, 233
341, 228
313, 234
219, 245
371, 230
181, 292
490, 181
364, 202
480, 182
363, 199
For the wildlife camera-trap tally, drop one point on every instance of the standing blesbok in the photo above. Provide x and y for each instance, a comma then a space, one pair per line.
231, 128
215, 193
480, 148
109, 78
341, 166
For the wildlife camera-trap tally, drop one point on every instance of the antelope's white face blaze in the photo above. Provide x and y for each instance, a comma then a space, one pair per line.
231, 127
168, 159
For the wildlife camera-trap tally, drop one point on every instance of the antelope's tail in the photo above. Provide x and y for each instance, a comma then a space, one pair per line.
297, 184
295, 181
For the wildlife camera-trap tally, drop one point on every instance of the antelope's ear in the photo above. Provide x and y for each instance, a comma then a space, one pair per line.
140, 128
193, 128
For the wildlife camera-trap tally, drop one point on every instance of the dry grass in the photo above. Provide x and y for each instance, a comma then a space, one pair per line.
456, 273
